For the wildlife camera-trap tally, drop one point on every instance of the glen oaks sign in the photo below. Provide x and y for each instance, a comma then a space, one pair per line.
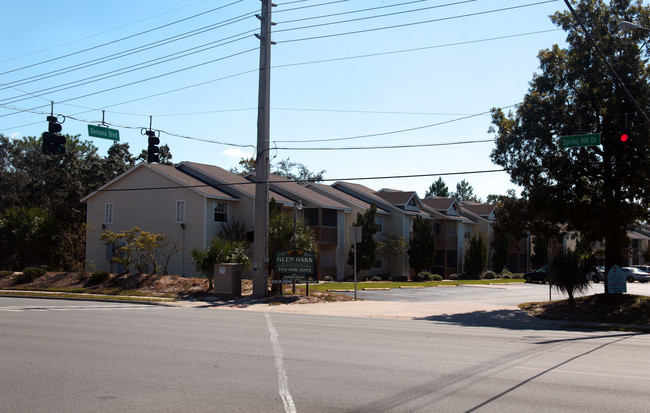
294, 263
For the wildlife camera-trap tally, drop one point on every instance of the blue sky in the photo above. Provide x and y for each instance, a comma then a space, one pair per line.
358, 70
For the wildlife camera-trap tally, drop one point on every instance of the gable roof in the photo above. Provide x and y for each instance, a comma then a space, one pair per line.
341, 196
397, 198
483, 210
170, 172
297, 192
234, 184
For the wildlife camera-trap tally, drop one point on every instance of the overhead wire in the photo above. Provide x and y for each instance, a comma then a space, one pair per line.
103, 32
120, 39
130, 69
408, 24
128, 52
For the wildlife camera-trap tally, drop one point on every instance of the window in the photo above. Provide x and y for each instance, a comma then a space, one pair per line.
220, 212
379, 220
180, 211
108, 214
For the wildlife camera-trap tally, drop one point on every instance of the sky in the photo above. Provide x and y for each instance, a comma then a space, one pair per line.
381, 93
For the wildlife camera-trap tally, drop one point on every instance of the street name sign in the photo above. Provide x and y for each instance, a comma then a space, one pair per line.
616, 282
578, 141
294, 264
105, 133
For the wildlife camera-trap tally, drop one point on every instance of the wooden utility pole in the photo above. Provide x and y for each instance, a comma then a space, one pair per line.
261, 233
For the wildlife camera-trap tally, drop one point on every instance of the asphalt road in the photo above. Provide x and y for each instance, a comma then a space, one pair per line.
72, 356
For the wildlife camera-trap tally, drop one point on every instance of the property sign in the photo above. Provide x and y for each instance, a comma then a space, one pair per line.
294, 264
105, 133
616, 283
577, 141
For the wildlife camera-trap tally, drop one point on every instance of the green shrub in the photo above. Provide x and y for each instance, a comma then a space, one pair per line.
327, 278
6, 274
506, 273
435, 277
518, 275
454, 277
427, 276
97, 277
489, 275
505, 276
375, 278
28, 275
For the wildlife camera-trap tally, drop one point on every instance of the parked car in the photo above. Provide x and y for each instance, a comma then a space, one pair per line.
539, 275
635, 274
645, 268
597, 275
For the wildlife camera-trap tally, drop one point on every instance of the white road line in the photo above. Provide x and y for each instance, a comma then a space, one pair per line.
283, 382
17, 308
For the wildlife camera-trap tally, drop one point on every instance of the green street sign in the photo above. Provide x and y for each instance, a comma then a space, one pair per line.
295, 263
578, 141
105, 133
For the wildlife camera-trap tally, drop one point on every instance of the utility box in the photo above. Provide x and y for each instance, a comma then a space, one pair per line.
227, 279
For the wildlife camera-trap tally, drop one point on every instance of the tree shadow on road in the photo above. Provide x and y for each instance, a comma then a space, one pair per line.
510, 319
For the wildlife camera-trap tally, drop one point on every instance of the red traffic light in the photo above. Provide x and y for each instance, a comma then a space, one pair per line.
624, 137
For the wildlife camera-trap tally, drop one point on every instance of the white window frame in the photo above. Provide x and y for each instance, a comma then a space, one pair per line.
180, 211
225, 211
108, 213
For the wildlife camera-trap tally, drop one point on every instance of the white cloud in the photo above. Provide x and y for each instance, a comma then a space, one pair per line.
236, 153
15, 135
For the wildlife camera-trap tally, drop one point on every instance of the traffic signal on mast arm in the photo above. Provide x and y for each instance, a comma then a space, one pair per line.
625, 145
53, 142
153, 150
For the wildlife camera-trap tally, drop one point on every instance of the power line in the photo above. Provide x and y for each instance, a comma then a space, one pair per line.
413, 23
405, 146
271, 181
145, 80
129, 69
133, 50
352, 12
120, 39
100, 33
368, 17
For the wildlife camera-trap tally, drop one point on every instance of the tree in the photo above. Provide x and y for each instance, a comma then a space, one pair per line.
568, 273
539, 257
165, 155
294, 171
464, 192
500, 252
367, 248
27, 237
301, 175
579, 187
475, 257
438, 188
219, 251
391, 245
422, 248
281, 233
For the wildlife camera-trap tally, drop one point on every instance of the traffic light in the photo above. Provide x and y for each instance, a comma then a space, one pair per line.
53, 142
153, 150
48, 143
625, 145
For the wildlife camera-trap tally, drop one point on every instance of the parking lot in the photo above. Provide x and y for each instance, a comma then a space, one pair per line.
495, 294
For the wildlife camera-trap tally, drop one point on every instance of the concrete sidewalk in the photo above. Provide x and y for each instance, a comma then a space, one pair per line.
364, 309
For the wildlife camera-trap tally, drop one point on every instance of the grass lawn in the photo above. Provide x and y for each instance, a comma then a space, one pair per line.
391, 284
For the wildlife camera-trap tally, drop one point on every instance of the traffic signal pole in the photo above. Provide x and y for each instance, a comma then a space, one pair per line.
262, 166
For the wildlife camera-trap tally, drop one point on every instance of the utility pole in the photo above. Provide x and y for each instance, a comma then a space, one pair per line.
261, 234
